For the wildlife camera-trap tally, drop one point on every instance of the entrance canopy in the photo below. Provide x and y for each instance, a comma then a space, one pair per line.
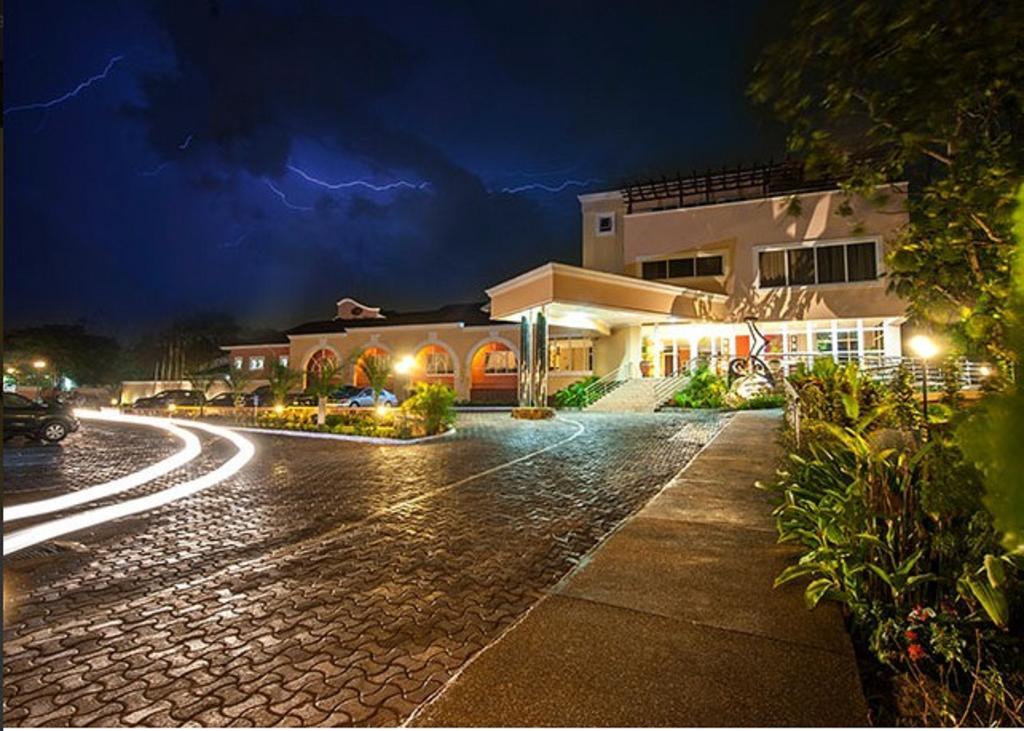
586, 299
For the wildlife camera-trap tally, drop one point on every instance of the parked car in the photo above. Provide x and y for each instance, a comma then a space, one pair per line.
344, 394
177, 397
222, 399
365, 398
49, 422
261, 396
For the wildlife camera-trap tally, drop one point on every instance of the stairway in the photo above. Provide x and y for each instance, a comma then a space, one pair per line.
639, 395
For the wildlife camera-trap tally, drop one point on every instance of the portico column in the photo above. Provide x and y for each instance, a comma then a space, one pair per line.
540, 358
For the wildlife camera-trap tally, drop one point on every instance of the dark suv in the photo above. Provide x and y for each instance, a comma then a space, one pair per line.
177, 397
49, 422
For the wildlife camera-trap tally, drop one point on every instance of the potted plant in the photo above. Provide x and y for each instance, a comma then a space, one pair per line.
645, 358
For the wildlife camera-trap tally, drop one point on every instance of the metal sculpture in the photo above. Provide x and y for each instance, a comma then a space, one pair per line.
753, 364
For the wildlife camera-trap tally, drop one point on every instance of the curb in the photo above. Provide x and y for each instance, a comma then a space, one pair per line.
383, 441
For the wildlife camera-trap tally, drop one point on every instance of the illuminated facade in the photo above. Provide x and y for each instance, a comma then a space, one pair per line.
670, 272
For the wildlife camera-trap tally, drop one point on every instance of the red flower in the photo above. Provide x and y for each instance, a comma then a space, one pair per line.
915, 652
911, 635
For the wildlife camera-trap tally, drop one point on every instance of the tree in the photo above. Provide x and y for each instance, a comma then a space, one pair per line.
238, 379
201, 381
874, 91
322, 382
376, 369
68, 350
282, 379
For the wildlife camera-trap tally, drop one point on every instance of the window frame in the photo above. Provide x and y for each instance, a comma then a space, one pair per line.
598, 218
694, 258
257, 362
506, 370
814, 245
569, 346
429, 361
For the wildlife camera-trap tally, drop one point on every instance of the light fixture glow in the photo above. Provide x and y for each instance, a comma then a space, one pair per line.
279, 409
405, 365
17, 540
985, 371
39, 364
382, 409
190, 451
924, 347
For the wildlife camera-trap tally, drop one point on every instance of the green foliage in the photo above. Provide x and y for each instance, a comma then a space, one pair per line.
68, 350
361, 424
893, 525
873, 91
376, 369
238, 380
282, 379
704, 390
321, 383
432, 405
576, 395
763, 401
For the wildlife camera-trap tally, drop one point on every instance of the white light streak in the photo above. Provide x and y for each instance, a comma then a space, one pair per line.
356, 183
184, 145
191, 450
73, 93
26, 537
551, 188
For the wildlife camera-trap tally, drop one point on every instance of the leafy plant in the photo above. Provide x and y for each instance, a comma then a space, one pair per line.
763, 401
282, 380
576, 395
376, 369
703, 390
432, 404
238, 379
321, 383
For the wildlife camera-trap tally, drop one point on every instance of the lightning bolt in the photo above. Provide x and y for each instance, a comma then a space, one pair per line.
71, 94
356, 183
184, 145
551, 188
280, 194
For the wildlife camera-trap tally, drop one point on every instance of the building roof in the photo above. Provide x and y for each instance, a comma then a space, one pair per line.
468, 314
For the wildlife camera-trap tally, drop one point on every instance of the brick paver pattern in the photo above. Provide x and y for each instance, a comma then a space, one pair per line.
327, 583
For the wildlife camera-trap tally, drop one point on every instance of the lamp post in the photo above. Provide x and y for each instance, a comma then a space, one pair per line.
405, 367
924, 348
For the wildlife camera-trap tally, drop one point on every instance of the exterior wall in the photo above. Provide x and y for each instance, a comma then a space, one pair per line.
622, 345
270, 355
401, 341
602, 251
737, 230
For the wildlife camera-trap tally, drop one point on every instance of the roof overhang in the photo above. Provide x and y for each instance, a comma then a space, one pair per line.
593, 300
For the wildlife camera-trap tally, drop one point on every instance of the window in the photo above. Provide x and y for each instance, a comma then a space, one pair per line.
772, 265
860, 259
690, 266
655, 269
571, 355
831, 264
237, 362
801, 266
808, 265
14, 401
499, 361
282, 361
606, 224
680, 268
709, 266
438, 363
846, 345
255, 362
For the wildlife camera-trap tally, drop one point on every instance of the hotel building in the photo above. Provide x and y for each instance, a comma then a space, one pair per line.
671, 272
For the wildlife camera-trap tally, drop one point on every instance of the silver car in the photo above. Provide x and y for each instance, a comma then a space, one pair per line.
365, 398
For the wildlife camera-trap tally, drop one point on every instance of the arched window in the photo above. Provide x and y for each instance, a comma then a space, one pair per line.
321, 359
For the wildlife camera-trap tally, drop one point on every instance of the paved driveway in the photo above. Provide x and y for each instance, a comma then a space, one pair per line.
326, 583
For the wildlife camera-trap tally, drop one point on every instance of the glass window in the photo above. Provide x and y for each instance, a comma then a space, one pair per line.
831, 264
14, 401
255, 362
874, 340
283, 360
772, 265
237, 361
709, 266
680, 268
499, 361
823, 342
846, 344
860, 260
439, 363
801, 266
571, 355
655, 269
605, 224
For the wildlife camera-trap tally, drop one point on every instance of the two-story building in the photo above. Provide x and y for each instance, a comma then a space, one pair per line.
671, 271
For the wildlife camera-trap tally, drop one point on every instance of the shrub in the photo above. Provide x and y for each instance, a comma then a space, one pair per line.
433, 405
576, 395
704, 390
764, 401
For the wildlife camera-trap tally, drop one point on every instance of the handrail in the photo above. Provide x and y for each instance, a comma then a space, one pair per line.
608, 382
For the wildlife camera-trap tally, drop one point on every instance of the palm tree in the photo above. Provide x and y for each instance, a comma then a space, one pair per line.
238, 379
376, 369
282, 379
202, 382
322, 384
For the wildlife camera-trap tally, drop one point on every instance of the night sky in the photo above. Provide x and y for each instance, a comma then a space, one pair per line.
265, 159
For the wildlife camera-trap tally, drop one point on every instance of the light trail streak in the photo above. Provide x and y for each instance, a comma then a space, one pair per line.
71, 94
189, 452
184, 145
26, 537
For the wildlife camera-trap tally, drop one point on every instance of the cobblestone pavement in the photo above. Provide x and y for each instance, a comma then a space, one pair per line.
326, 583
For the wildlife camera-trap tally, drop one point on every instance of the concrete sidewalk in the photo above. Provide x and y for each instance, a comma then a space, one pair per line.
673, 621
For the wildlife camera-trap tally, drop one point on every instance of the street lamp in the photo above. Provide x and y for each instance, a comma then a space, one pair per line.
39, 364
924, 348
405, 365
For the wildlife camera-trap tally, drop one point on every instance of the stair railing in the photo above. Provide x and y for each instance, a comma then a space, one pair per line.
608, 382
